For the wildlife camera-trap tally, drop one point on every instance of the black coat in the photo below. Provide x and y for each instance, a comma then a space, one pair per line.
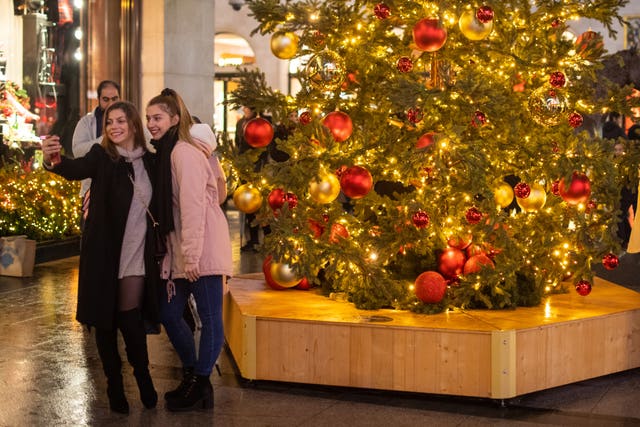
111, 195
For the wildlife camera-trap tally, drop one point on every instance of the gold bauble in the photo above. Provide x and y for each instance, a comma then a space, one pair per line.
548, 106
473, 29
283, 275
326, 70
324, 188
284, 44
536, 200
247, 198
503, 195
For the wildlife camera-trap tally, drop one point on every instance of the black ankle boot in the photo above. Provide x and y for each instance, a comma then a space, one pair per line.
198, 394
117, 400
187, 373
107, 343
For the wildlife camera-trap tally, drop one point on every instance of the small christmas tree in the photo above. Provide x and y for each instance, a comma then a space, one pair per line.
435, 161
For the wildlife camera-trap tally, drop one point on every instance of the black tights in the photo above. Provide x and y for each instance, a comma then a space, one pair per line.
130, 291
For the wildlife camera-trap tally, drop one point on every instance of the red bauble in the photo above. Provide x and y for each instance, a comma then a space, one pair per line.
338, 231
425, 140
460, 242
484, 14
356, 182
451, 262
339, 124
610, 261
473, 215
258, 132
405, 64
381, 11
415, 115
266, 269
304, 284
305, 118
276, 198
555, 187
522, 190
430, 287
429, 34
291, 199
316, 228
475, 264
479, 118
575, 120
583, 288
420, 219
474, 249
577, 191
557, 79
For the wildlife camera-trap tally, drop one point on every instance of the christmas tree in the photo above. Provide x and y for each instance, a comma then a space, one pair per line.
434, 159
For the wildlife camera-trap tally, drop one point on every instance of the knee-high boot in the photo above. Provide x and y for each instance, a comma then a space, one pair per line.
107, 343
135, 338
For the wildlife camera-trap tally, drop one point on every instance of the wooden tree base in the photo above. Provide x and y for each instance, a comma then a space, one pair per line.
303, 337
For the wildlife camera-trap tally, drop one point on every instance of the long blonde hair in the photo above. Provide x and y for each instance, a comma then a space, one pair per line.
134, 122
171, 103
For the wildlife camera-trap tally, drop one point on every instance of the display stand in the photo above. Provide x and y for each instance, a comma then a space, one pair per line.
304, 337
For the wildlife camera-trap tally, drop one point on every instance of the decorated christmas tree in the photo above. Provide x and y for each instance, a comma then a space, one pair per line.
435, 156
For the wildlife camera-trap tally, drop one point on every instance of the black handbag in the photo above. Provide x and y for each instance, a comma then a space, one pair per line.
159, 241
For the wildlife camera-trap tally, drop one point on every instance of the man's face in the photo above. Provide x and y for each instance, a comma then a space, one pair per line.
108, 96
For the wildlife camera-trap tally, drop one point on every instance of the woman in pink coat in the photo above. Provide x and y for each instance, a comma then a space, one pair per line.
199, 247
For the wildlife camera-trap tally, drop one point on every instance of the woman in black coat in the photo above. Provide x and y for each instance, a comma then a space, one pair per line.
118, 276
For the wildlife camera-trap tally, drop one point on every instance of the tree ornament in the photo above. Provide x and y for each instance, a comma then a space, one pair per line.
415, 115
304, 284
356, 182
326, 70
258, 132
305, 118
426, 140
405, 64
284, 275
324, 188
479, 119
473, 250
318, 40
535, 200
430, 287
451, 262
577, 191
276, 198
317, 228
291, 199
382, 11
557, 79
420, 219
503, 195
610, 261
429, 34
460, 242
473, 215
583, 288
575, 120
522, 190
591, 206
266, 270
476, 263
484, 14
556, 23
555, 187
547, 106
339, 124
247, 198
472, 28
589, 45
338, 231
284, 44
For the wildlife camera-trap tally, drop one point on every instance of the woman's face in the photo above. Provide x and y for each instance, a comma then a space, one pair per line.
159, 121
118, 129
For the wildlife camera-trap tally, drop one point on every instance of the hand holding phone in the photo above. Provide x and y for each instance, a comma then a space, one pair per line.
51, 149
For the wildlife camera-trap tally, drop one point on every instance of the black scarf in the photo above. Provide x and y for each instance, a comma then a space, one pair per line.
99, 114
162, 190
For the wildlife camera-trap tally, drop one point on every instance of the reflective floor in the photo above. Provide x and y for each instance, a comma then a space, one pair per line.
50, 375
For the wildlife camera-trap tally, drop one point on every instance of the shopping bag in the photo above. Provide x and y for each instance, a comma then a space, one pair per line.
17, 256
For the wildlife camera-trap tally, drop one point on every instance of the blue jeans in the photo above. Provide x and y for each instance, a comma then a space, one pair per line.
207, 291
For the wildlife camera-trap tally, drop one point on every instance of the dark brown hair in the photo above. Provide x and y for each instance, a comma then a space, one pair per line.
134, 122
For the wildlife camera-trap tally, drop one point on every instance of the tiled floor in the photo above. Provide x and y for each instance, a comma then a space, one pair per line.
50, 376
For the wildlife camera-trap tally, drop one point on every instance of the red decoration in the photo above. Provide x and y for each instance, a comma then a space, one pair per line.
266, 269
339, 124
415, 115
276, 198
479, 119
473, 215
577, 191
554, 147
575, 120
425, 140
555, 187
405, 64
460, 242
475, 264
557, 79
610, 261
304, 284
381, 11
474, 249
305, 118
430, 287
316, 228
356, 182
556, 23
338, 231
258, 132
484, 14
451, 262
522, 190
420, 219
583, 288
429, 34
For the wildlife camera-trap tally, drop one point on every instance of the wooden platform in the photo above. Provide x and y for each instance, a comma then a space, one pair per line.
300, 336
